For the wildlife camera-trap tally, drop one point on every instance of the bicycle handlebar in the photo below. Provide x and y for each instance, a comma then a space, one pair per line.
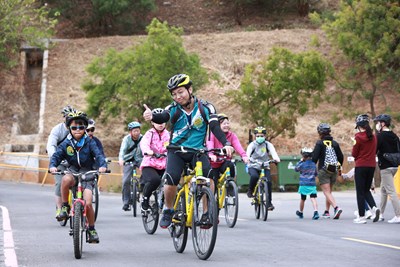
264, 163
156, 155
184, 149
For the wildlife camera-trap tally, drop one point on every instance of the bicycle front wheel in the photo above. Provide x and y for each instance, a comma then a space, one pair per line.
256, 203
151, 216
135, 197
95, 200
205, 226
264, 200
231, 204
179, 231
78, 228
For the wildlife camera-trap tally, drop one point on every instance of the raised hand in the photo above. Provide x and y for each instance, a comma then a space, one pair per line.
147, 115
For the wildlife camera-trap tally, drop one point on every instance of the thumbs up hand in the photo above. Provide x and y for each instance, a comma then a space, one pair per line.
147, 115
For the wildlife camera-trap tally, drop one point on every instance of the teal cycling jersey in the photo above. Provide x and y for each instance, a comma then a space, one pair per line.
190, 130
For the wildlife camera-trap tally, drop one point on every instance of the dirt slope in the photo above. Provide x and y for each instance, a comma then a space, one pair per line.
225, 54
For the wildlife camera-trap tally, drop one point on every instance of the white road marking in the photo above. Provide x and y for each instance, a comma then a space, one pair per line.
371, 243
9, 251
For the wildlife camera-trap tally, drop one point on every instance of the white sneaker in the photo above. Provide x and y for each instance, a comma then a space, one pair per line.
360, 220
381, 218
368, 214
375, 214
396, 219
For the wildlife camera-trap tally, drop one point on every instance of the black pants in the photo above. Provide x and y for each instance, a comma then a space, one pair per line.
151, 178
363, 178
254, 175
176, 163
217, 171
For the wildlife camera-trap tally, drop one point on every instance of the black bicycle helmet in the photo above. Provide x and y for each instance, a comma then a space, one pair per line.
260, 130
179, 80
324, 128
362, 120
306, 152
222, 117
157, 111
66, 110
385, 118
76, 115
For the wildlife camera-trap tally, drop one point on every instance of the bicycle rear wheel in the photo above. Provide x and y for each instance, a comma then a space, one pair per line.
231, 204
151, 216
179, 231
264, 200
204, 232
78, 228
95, 200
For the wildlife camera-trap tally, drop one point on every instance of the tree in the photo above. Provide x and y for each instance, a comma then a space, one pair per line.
275, 91
22, 21
121, 82
368, 34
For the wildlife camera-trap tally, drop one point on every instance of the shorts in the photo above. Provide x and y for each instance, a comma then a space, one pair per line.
326, 177
85, 184
307, 189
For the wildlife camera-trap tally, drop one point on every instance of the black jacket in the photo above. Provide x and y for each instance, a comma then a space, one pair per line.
388, 142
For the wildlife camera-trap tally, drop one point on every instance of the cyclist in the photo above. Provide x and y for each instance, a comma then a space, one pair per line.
80, 152
258, 151
189, 117
153, 144
327, 177
129, 153
388, 142
220, 166
90, 132
56, 136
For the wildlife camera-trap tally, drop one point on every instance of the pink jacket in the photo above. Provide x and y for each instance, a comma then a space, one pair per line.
156, 142
233, 139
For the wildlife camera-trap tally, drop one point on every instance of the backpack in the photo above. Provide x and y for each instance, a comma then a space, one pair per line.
331, 163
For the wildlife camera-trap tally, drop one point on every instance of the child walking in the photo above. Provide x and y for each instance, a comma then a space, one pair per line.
308, 171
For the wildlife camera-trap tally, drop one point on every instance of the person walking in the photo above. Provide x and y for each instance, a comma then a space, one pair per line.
388, 142
307, 186
363, 151
329, 156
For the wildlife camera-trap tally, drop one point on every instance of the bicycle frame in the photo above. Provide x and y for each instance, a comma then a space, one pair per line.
190, 182
221, 187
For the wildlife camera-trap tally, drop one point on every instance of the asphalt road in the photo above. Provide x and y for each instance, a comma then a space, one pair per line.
284, 240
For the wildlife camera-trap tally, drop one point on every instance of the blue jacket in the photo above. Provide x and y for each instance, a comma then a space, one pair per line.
308, 172
84, 156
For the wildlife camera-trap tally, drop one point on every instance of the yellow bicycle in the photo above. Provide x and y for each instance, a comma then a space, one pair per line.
227, 196
195, 207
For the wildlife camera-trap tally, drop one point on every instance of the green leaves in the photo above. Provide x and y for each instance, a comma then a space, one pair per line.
368, 34
22, 21
121, 82
274, 92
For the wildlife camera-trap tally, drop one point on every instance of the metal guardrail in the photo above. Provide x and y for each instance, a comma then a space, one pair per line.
35, 169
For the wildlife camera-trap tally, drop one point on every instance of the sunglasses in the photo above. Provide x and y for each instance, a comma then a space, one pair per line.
77, 128
90, 130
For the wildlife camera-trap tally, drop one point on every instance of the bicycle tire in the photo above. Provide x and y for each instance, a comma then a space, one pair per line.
134, 190
264, 200
256, 203
231, 203
204, 236
95, 200
150, 217
78, 229
179, 231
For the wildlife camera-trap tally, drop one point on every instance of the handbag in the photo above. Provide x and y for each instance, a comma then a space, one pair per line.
393, 158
